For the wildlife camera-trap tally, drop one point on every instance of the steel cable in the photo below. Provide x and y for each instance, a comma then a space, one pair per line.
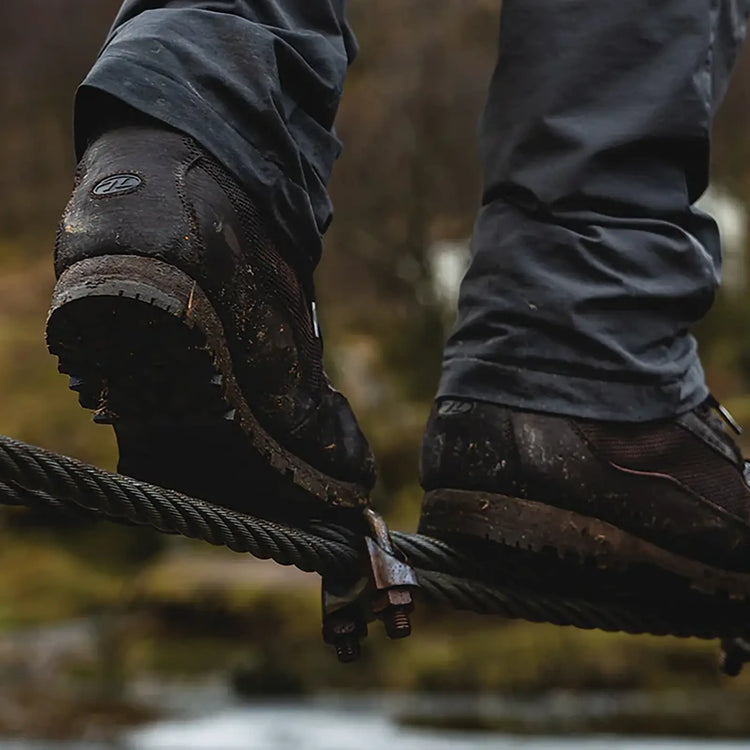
32, 476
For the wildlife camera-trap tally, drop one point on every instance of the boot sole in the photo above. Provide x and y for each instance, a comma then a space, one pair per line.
541, 547
146, 350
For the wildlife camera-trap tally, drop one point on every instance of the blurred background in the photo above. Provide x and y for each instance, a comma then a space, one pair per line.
117, 637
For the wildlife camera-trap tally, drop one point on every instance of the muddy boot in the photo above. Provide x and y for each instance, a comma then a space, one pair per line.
560, 503
183, 323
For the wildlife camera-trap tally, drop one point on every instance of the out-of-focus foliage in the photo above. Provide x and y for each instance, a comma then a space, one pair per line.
409, 178
46, 48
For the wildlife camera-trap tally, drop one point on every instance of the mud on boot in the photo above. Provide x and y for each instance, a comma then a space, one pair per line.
578, 508
181, 323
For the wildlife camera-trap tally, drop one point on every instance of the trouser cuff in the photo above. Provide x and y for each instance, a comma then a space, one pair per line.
571, 395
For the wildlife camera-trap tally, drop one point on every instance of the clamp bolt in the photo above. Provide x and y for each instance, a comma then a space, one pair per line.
344, 632
393, 607
347, 648
397, 623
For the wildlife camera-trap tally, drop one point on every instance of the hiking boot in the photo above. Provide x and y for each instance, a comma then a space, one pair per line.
551, 496
184, 324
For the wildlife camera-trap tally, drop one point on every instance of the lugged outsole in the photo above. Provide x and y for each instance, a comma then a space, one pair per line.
146, 350
540, 538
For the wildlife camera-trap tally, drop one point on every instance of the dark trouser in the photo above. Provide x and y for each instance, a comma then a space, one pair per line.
590, 262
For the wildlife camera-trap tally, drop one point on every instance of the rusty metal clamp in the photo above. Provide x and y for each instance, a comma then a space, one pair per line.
383, 590
393, 580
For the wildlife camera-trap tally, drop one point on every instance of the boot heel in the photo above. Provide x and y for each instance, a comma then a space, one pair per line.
146, 280
146, 350
130, 333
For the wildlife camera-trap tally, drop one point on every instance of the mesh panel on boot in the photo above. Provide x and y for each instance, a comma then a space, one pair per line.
277, 276
667, 448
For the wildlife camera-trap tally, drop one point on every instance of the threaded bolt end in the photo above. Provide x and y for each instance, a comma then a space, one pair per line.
397, 623
348, 649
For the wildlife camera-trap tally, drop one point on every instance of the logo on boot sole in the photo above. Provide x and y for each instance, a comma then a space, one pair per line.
118, 183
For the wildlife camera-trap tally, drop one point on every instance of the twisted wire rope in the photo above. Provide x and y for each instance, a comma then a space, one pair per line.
32, 476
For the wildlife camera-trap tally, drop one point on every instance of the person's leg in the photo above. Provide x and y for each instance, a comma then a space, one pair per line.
184, 309
573, 415
590, 262
256, 82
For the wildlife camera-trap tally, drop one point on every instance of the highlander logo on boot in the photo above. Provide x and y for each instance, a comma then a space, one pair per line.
118, 183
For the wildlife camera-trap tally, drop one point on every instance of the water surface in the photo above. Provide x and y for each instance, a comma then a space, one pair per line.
328, 725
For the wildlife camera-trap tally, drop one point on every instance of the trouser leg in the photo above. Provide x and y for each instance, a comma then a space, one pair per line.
590, 262
256, 82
